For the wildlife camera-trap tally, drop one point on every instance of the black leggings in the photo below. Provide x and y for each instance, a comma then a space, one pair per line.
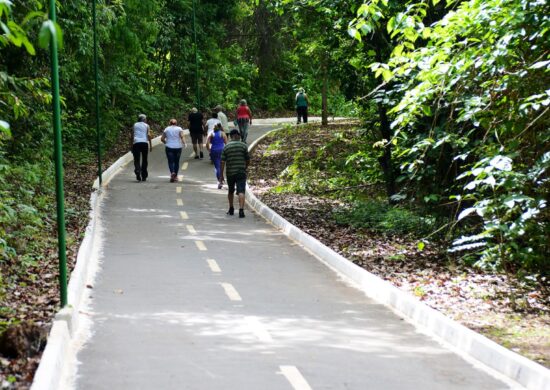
140, 149
301, 113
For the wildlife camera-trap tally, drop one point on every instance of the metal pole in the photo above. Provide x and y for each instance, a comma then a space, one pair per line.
197, 91
58, 157
97, 118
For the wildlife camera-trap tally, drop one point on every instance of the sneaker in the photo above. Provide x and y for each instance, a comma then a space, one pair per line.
197, 157
201, 156
220, 186
231, 211
172, 177
143, 179
138, 177
241, 213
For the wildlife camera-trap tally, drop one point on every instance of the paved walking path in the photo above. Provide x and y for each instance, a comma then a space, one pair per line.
190, 298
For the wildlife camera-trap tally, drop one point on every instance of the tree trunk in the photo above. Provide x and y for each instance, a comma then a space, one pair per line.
386, 160
381, 45
324, 92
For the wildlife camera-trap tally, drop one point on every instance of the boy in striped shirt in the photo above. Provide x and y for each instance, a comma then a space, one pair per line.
235, 160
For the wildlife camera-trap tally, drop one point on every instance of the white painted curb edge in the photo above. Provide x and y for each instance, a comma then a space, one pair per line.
51, 369
512, 365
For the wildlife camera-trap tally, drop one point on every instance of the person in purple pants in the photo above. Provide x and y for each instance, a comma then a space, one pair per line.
215, 144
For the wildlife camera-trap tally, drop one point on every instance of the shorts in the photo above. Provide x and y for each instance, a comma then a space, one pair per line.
196, 138
239, 181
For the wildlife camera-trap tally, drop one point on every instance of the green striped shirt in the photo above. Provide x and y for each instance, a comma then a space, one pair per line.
235, 155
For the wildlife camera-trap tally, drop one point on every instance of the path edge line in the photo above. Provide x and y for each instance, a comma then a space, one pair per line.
514, 366
52, 367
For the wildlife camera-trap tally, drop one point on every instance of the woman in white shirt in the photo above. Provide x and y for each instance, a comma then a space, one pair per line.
211, 123
174, 140
223, 118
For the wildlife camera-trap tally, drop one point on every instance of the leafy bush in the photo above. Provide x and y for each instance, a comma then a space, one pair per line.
465, 88
26, 203
334, 162
379, 216
513, 207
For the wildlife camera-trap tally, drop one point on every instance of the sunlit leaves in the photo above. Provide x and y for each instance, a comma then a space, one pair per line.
48, 30
4, 129
473, 84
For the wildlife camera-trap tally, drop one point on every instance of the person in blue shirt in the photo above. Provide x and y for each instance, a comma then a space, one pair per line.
215, 144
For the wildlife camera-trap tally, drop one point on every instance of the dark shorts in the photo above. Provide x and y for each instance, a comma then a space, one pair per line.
196, 138
239, 181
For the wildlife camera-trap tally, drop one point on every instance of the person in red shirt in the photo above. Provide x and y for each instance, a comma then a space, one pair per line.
244, 119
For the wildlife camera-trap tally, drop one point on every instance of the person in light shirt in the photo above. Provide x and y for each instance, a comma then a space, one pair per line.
223, 119
211, 123
141, 145
174, 140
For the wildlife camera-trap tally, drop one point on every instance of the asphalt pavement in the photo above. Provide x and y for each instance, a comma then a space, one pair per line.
188, 297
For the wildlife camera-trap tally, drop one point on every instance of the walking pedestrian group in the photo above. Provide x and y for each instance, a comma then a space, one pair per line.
229, 155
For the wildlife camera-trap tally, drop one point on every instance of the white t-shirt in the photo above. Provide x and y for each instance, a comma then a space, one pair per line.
173, 137
141, 129
223, 119
211, 123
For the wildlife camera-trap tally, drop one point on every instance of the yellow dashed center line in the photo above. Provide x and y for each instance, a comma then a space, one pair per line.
259, 330
179, 202
213, 265
180, 178
184, 215
295, 378
184, 166
231, 292
178, 189
191, 229
200, 245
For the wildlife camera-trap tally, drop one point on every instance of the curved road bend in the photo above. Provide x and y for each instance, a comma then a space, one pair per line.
190, 298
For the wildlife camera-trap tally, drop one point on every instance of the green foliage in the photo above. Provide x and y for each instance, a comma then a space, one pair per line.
330, 163
468, 101
26, 206
453, 97
380, 216
512, 205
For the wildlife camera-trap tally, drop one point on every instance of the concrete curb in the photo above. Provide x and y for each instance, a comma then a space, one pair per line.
514, 366
51, 371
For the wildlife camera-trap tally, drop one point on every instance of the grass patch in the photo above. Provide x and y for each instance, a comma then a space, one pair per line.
379, 216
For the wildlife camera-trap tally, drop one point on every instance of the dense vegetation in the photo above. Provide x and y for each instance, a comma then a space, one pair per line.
452, 95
